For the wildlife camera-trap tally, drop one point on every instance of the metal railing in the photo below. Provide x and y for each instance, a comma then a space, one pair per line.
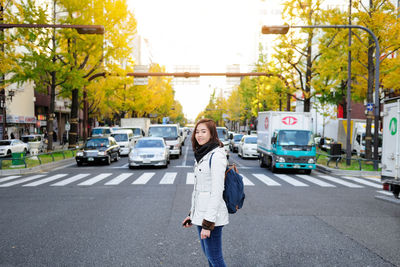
338, 158
38, 157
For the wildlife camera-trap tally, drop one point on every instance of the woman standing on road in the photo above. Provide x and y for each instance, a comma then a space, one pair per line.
208, 210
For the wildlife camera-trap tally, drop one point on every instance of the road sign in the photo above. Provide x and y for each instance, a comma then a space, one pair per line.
370, 106
67, 126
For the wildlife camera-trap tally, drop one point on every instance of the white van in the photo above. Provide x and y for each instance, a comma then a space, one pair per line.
125, 141
171, 135
138, 132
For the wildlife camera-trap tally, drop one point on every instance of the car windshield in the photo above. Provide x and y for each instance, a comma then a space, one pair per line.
165, 132
95, 143
295, 138
120, 137
98, 131
5, 143
136, 131
222, 134
250, 140
27, 139
238, 137
149, 143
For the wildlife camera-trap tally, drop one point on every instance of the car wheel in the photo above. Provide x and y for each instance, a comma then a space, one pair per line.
131, 167
25, 151
108, 162
8, 154
272, 167
117, 157
261, 161
79, 164
307, 171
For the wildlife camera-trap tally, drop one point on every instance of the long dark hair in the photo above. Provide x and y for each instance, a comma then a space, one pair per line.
212, 127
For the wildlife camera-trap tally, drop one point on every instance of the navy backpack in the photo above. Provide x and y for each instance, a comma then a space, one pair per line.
234, 188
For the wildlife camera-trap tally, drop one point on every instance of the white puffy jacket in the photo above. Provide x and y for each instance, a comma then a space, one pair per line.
207, 201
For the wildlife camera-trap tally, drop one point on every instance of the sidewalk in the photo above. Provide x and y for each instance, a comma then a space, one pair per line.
366, 174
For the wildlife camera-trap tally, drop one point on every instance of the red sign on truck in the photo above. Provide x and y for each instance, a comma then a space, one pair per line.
289, 120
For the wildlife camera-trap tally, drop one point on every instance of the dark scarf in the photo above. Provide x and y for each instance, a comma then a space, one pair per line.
204, 149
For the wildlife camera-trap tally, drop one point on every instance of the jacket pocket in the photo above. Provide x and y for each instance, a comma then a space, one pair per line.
202, 201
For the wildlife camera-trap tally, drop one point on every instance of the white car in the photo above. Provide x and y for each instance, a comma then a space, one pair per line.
248, 147
7, 147
149, 151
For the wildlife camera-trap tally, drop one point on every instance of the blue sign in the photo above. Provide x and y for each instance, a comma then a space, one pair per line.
370, 106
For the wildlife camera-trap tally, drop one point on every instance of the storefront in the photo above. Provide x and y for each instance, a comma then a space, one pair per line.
18, 126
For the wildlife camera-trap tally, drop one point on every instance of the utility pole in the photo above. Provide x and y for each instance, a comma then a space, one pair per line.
2, 75
349, 126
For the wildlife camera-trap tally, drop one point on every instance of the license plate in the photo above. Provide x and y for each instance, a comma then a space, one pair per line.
146, 160
90, 159
296, 166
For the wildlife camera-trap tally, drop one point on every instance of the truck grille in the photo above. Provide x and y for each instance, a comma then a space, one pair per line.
297, 160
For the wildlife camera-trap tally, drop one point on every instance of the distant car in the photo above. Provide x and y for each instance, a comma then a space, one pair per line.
7, 147
149, 151
98, 150
138, 132
224, 138
253, 132
248, 147
125, 141
234, 142
101, 131
35, 141
171, 135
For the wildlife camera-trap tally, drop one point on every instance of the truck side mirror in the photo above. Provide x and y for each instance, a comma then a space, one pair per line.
231, 136
273, 140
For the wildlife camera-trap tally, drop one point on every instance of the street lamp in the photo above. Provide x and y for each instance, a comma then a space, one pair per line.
283, 29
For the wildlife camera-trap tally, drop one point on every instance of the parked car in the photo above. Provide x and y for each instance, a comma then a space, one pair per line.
35, 141
125, 141
149, 151
234, 142
101, 131
7, 147
248, 147
98, 150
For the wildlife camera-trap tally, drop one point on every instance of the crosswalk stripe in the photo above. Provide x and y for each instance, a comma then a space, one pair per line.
315, 181
190, 178
8, 178
246, 181
71, 179
95, 179
340, 181
22, 180
266, 180
362, 181
46, 180
169, 178
119, 179
385, 193
290, 180
144, 178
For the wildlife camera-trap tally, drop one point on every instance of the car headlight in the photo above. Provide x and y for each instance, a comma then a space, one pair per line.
79, 154
176, 146
161, 154
102, 153
311, 161
280, 159
133, 154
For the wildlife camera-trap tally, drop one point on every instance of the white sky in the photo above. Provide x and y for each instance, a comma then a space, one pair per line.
208, 33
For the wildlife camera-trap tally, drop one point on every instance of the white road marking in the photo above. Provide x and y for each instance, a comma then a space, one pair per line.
169, 178
121, 167
46, 180
8, 178
190, 178
339, 181
362, 181
315, 181
95, 179
266, 180
290, 180
246, 180
144, 178
385, 193
185, 156
71, 179
119, 179
22, 180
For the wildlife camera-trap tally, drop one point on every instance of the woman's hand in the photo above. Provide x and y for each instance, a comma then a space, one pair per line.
205, 233
187, 222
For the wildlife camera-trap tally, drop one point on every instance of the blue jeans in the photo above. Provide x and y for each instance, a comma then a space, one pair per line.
212, 247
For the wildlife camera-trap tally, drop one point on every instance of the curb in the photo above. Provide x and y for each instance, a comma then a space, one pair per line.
40, 168
367, 174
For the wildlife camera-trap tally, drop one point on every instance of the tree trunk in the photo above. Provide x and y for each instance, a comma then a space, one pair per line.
307, 102
73, 134
371, 48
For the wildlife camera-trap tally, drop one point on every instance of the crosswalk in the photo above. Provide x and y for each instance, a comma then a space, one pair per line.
170, 178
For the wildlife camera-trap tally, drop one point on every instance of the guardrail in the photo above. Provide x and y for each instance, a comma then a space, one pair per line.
338, 158
38, 157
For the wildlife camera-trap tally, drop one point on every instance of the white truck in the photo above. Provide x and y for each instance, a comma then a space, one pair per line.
285, 140
139, 126
337, 130
171, 135
390, 173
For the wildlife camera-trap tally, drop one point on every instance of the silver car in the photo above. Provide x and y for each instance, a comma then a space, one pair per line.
151, 151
